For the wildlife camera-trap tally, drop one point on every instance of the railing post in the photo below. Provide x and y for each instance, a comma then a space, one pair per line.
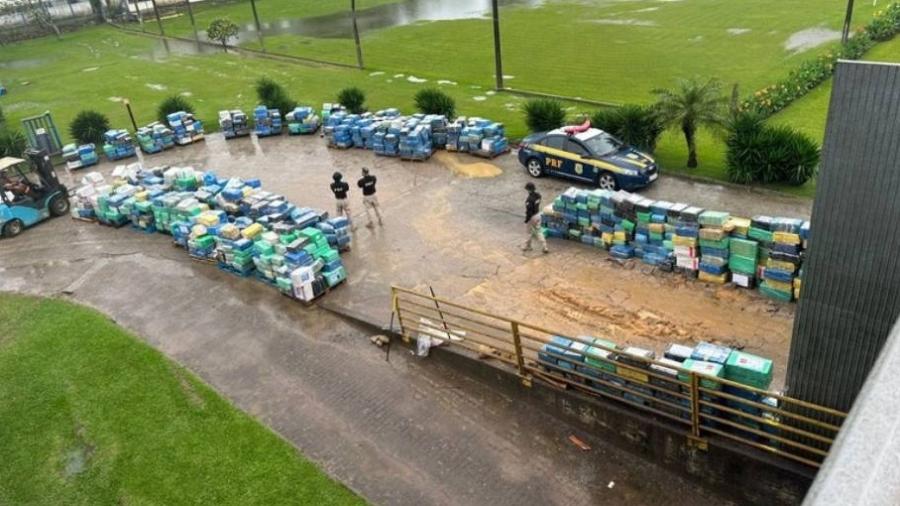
395, 301
695, 405
520, 359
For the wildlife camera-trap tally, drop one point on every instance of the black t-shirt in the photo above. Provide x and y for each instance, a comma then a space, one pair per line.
367, 183
532, 205
340, 189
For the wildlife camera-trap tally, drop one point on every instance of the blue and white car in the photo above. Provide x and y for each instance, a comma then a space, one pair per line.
593, 156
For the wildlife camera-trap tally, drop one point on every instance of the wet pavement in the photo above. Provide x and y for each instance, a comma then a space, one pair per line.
405, 432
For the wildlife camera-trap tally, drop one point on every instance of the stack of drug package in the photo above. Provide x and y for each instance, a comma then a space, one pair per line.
337, 231
623, 232
438, 124
183, 178
201, 243
784, 259
386, 140
186, 128
143, 216
329, 109
415, 140
661, 231
182, 225
234, 250
85, 198
686, 238
753, 371
650, 234
359, 126
454, 133
234, 123
672, 393
324, 267
114, 209
599, 364
266, 121
633, 364
302, 121
553, 219
482, 137
707, 360
79, 157
606, 219
744, 253
338, 129
117, 144
561, 355
714, 242
155, 137
798, 281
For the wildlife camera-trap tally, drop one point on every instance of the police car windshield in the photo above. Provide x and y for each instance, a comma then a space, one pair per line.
602, 144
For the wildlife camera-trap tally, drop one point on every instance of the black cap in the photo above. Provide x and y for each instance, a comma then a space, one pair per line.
337, 176
530, 187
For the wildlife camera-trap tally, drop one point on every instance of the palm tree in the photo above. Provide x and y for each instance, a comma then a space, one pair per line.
691, 105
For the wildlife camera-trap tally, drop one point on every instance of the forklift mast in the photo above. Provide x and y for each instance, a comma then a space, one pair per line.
40, 160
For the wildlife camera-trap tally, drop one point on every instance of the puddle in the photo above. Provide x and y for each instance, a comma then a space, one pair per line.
471, 170
647, 9
811, 37
406, 12
90, 69
157, 87
737, 31
378, 73
186, 94
414, 79
491, 92
22, 64
624, 22
444, 81
115, 99
479, 98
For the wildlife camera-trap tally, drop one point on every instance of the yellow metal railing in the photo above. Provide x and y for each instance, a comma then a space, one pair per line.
704, 405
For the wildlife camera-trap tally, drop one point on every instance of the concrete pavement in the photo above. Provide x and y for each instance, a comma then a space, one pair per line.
403, 432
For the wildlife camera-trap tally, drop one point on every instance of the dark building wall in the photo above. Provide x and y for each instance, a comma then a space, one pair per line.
851, 282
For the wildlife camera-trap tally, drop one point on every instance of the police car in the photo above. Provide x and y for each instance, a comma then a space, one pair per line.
590, 156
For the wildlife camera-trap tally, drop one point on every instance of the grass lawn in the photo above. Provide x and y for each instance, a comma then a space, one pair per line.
92, 415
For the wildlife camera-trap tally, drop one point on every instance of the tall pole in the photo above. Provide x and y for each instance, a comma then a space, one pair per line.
158, 21
498, 59
845, 35
193, 23
130, 113
359, 58
259, 33
140, 16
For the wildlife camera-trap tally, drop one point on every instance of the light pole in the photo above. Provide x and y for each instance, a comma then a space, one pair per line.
359, 58
130, 113
498, 59
845, 35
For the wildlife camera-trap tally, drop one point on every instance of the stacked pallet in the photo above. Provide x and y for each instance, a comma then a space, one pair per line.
155, 137
714, 243
302, 121
117, 144
79, 157
267, 122
186, 128
234, 123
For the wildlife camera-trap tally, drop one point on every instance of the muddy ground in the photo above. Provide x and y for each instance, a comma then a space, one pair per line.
455, 224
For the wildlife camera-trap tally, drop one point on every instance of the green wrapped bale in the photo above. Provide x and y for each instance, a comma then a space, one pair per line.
705, 370
748, 369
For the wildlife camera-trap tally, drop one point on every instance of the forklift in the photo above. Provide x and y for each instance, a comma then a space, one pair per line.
30, 192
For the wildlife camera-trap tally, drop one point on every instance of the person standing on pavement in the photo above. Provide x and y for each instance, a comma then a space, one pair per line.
340, 188
370, 200
533, 218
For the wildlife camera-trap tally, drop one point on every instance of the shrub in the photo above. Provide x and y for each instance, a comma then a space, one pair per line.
222, 29
434, 101
12, 142
636, 125
354, 99
2, 118
542, 114
773, 98
88, 127
172, 104
274, 96
758, 153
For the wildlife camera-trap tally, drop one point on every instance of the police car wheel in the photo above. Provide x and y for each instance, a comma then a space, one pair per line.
607, 181
535, 167
12, 228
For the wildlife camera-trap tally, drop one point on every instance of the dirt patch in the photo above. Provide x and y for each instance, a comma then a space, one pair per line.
76, 459
187, 386
466, 169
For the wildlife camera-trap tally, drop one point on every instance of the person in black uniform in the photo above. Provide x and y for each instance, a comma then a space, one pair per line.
340, 188
533, 218
370, 200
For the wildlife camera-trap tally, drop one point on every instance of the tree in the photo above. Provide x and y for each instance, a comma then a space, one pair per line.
222, 29
759, 153
691, 105
88, 127
435, 101
354, 99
